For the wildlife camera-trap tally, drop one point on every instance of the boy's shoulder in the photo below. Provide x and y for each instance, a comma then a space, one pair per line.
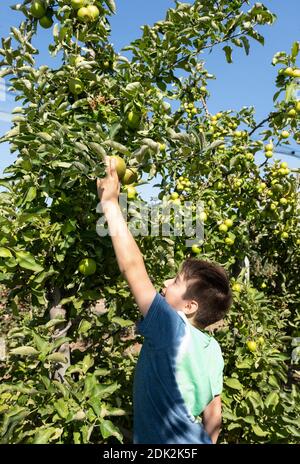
206, 340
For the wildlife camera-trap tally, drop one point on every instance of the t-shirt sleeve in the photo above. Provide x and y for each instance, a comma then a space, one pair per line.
216, 372
161, 324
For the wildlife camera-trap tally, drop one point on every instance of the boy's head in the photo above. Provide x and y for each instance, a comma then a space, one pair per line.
201, 290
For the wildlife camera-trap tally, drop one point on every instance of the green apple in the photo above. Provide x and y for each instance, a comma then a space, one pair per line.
223, 228
283, 201
269, 146
84, 14
76, 4
46, 21
37, 9
288, 71
93, 12
76, 86
203, 216
131, 192
120, 166
292, 113
284, 235
228, 222
133, 119
237, 287
285, 134
251, 345
87, 266
174, 195
229, 241
196, 250
296, 73
130, 176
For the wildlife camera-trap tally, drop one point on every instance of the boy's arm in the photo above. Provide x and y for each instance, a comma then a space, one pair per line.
212, 418
129, 257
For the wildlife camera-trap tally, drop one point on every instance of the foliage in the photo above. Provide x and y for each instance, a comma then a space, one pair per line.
150, 108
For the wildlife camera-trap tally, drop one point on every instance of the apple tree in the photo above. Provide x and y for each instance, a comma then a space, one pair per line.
69, 317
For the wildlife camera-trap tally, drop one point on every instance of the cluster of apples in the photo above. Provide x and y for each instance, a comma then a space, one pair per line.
39, 11
86, 11
127, 176
291, 72
223, 227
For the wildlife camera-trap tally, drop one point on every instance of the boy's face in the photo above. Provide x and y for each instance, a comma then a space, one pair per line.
174, 290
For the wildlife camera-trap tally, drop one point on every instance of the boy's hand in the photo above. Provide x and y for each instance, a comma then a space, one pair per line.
109, 187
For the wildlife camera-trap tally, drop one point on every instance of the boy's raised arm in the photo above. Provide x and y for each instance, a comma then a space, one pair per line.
129, 257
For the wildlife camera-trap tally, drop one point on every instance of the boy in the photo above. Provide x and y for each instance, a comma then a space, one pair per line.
179, 371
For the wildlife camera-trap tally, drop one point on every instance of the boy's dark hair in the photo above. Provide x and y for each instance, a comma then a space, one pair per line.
208, 284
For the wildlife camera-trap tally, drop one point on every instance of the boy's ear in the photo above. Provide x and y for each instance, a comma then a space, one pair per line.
191, 307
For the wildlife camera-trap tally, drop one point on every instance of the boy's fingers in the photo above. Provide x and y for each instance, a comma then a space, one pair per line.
113, 164
107, 164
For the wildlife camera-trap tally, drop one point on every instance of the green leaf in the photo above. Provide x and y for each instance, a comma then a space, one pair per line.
133, 88
272, 399
105, 390
228, 52
62, 408
214, 144
5, 253
45, 136
30, 195
111, 5
89, 385
43, 436
122, 322
249, 419
98, 149
273, 381
229, 416
246, 44
57, 357
87, 363
15, 415
234, 383
117, 146
293, 430
30, 264
24, 351
109, 429
258, 431
295, 49
84, 326
42, 345
233, 425
245, 364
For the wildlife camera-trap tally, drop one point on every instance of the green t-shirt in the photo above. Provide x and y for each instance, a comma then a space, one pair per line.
199, 368
178, 373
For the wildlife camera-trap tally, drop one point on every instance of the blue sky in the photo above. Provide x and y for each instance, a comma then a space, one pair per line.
248, 81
